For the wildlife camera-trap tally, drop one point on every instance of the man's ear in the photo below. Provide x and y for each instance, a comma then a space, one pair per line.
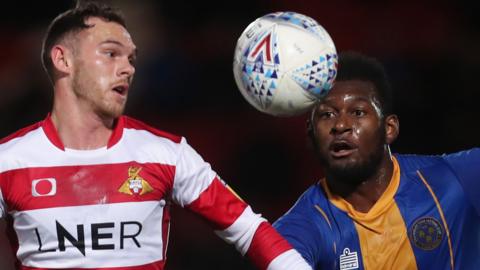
392, 128
61, 58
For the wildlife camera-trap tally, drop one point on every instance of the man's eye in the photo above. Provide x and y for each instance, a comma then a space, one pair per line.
132, 61
110, 53
359, 113
326, 115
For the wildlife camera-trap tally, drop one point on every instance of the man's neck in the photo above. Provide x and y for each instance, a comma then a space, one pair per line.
81, 129
365, 194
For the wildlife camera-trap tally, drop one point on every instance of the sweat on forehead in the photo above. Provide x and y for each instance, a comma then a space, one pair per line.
352, 92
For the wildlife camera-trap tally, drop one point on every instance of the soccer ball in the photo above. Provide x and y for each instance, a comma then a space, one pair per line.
284, 62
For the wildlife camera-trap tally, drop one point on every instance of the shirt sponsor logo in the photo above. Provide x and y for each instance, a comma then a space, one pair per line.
44, 187
348, 260
426, 233
135, 184
103, 236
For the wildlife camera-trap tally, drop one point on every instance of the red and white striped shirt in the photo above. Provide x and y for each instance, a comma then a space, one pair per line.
109, 207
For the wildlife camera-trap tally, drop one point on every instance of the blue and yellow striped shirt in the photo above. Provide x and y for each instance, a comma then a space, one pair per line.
427, 218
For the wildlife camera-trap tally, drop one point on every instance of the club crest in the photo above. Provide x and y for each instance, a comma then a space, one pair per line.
135, 184
426, 233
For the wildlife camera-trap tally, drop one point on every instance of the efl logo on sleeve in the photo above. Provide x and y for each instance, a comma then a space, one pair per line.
44, 187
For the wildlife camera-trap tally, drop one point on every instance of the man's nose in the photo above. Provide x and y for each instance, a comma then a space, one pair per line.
126, 68
342, 124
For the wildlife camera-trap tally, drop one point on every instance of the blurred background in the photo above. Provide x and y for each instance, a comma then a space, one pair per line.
184, 84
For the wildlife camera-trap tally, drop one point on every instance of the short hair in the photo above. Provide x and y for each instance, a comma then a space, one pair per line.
73, 21
356, 66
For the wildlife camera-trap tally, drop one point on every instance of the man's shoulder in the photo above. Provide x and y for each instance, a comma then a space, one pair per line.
411, 162
137, 125
414, 162
310, 215
23, 141
20, 145
309, 202
21, 133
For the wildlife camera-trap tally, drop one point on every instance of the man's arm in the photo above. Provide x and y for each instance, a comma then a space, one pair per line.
197, 188
287, 258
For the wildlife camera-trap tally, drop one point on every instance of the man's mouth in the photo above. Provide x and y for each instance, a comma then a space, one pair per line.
342, 148
121, 89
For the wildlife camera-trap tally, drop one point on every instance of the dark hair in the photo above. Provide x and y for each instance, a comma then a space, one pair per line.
72, 21
356, 66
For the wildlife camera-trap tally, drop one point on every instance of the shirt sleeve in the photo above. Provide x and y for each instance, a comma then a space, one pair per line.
198, 188
192, 175
466, 165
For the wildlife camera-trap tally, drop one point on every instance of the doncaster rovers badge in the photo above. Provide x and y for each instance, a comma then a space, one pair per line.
135, 184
